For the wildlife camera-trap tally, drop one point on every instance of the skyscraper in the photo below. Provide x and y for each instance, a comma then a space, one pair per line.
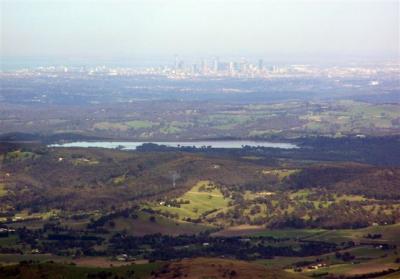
216, 65
176, 62
260, 64
204, 67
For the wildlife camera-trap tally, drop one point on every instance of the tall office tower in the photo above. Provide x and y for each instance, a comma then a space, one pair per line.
260, 64
203, 66
194, 69
236, 66
176, 62
181, 65
244, 67
231, 68
216, 65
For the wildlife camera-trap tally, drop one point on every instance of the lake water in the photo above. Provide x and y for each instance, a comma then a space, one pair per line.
132, 145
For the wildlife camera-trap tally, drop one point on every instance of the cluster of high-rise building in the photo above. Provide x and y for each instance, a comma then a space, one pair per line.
242, 68
217, 67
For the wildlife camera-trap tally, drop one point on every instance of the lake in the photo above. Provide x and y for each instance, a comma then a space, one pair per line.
132, 145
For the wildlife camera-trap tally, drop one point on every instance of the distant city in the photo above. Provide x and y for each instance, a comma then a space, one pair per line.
178, 68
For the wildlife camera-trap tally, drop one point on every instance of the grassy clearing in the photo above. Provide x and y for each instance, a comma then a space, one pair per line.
119, 180
352, 117
290, 233
26, 215
351, 269
390, 234
110, 126
226, 121
252, 158
140, 124
349, 198
301, 194
364, 256
241, 230
367, 252
20, 155
16, 258
280, 173
144, 225
85, 162
283, 262
9, 241
174, 127
260, 133
248, 195
3, 190
104, 262
395, 275
202, 198
170, 130
125, 126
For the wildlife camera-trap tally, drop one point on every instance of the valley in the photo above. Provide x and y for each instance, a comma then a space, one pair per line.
302, 216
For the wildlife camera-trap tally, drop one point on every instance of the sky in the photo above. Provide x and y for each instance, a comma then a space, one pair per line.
148, 29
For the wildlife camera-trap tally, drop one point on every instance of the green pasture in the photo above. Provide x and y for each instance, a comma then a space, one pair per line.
203, 197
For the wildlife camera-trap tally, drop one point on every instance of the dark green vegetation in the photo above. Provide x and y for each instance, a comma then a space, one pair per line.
155, 107
70, 271
326, 209
172, 120
188, 268
220, 268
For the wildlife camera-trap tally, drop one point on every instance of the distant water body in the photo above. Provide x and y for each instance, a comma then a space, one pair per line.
132, 145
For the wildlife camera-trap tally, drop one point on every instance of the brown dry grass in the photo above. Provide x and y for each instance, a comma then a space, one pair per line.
213, 268
103, 262
371, 268
241, 230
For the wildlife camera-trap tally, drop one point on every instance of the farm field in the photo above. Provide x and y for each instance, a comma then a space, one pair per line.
144, 224
350, 269
202, 198
3, 190
389, 234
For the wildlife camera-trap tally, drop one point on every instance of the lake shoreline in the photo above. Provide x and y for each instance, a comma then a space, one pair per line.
132, 145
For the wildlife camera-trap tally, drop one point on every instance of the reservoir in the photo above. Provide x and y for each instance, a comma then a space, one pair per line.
132, 145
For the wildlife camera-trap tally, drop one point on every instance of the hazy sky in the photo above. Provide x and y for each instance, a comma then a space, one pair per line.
150, 28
